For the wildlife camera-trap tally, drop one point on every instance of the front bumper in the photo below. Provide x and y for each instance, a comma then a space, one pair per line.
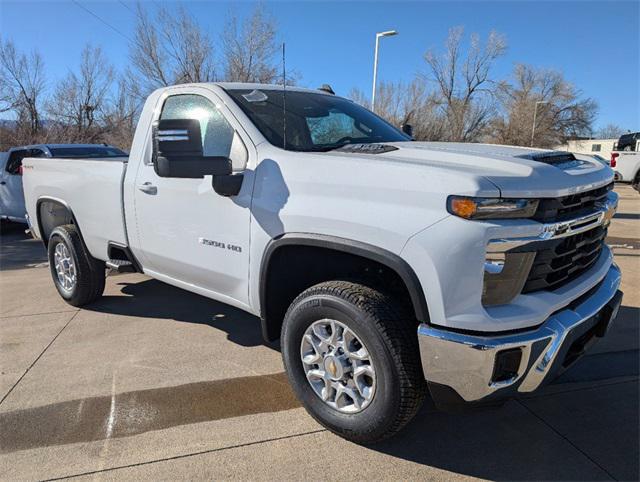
471, 367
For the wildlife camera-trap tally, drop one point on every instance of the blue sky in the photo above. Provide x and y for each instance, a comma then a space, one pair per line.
594, 43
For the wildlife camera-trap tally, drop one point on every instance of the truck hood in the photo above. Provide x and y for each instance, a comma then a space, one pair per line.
515, 171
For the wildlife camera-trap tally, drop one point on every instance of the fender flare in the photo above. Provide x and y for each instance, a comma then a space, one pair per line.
358, 248
60, 202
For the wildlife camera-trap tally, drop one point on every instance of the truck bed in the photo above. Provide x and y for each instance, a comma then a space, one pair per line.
91, 188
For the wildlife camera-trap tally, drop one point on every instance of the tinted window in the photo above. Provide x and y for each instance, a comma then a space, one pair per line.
15, 160
314, 122
627, 142
217, 134
87, 151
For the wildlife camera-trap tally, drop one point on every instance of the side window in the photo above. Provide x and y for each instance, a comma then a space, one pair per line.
217, 134
36, 153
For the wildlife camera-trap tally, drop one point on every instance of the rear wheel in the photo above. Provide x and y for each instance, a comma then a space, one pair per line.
352, 357
636, 182
78, 277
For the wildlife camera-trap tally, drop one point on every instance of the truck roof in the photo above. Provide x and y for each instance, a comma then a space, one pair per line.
256, 86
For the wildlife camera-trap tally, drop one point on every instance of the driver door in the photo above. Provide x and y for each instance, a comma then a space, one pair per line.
187, 233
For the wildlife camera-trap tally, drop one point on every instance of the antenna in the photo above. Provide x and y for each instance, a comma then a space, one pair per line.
284, 100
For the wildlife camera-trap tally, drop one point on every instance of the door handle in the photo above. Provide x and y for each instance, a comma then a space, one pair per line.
2, 183
148, 188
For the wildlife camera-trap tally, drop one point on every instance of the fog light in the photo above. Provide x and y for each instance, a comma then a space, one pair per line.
494, 263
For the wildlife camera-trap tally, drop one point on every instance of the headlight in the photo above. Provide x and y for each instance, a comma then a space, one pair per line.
491, 208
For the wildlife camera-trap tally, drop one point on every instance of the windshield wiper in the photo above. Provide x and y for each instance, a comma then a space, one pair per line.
372, 146
333, 147
321, 148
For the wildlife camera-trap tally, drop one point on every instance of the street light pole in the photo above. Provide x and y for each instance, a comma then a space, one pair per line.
388, 33
535, 112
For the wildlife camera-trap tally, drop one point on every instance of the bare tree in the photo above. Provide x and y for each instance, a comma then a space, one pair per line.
171, 49
250, 48
463, 83
147, 55
401, 103
556, 104
80, 99
122, 112
610, 131
22, 86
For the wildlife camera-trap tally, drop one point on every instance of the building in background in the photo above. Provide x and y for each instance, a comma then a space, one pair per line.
601, 147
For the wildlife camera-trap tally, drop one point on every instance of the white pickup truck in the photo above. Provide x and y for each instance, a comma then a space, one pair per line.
625, 159
387, 268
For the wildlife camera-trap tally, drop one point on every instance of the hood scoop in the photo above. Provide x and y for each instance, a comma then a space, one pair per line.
561, 160
367, 148
551, 157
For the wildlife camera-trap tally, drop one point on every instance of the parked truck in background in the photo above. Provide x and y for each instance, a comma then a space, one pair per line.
625, 159
387, 268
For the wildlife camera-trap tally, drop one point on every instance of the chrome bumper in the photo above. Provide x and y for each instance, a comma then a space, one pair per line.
468, 364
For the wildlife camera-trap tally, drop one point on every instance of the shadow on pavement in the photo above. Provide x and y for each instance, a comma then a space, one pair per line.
18, 250
627, 216
520, 441
154, 299
618, 354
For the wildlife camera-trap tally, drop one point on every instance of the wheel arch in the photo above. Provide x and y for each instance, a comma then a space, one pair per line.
360, 253
51, 213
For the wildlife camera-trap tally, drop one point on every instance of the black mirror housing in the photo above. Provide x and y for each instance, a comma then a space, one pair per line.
177, 151
228, 185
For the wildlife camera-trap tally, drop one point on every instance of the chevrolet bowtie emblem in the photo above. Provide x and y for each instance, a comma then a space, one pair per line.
332, 368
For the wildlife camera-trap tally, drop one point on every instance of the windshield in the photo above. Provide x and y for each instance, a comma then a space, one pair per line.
314, 122
87, 151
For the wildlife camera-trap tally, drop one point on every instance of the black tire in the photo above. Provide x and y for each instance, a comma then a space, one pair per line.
90, 272
636, 182
389, 333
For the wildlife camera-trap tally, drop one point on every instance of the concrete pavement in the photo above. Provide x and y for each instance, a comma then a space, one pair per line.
154, 382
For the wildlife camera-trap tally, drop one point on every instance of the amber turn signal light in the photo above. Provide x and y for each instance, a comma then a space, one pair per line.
463, 207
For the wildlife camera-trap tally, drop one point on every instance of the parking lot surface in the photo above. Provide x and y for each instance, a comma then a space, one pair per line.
152, 382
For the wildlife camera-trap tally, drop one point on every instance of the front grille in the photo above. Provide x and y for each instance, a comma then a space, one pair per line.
569, 207
563, 260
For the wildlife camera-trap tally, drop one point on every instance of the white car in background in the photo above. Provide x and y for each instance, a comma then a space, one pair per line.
11, 194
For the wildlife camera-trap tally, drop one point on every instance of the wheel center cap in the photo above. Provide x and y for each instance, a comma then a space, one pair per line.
333, 367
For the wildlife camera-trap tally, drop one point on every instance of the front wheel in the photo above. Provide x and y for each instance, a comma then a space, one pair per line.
78, 277
351, 353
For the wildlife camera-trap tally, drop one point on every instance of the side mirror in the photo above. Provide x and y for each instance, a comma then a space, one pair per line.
408, 130
177, 151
